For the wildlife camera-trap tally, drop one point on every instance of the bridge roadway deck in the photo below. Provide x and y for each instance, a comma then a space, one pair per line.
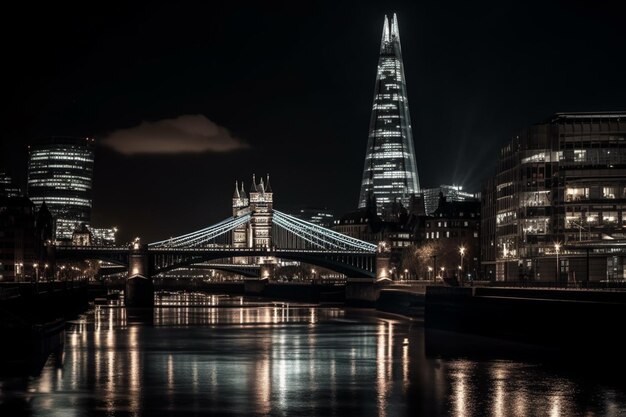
352, 263
200, 250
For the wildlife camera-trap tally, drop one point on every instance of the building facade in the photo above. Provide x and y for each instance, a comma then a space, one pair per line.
451, 192
390, 170
60, 173
22, 237
454, 231
560, 193
7, 187
488, 238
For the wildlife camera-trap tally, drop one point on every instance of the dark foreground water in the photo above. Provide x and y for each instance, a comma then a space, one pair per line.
249, 358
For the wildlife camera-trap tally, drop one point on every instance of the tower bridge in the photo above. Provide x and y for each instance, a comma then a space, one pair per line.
251, 240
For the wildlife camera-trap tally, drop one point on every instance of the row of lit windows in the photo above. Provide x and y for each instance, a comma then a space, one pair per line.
53, 182
71, 176
583, 193
592, 218
56, 166
389, 96
381, 155
435, 235
61, 158
384, 106
62, 200
388, 146
452, 224
505, 217
62, 153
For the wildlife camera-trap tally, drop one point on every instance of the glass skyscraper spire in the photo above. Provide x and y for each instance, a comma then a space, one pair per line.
390, 172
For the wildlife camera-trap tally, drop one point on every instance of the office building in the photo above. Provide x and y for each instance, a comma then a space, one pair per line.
560, 196
451, 192
60, 172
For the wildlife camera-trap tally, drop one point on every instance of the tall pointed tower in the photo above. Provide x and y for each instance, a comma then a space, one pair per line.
390, 172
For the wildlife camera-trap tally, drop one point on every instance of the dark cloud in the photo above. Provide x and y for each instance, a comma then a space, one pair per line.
184, 134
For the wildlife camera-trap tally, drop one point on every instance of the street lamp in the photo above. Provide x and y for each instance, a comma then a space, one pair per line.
20, 271
430, 273
36, 267
443, 268
462, 252
406, 272
557, 247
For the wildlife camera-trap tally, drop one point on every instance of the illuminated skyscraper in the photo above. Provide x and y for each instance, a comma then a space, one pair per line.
60, 172
390, 172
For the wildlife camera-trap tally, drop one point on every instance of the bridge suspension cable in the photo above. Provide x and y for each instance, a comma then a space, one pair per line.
316, 236
208, 235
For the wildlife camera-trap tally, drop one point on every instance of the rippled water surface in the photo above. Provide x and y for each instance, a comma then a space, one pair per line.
210, 355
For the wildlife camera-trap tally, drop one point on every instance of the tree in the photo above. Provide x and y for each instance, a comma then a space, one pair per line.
417, 258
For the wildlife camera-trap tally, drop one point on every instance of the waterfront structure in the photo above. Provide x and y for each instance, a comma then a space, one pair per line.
451, 192
7, 187
60, 172
256, 233
390, 170
321, 216
560, 193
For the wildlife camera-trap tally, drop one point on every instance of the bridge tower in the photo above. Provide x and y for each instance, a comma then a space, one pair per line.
261, 205
139, 288
241, 206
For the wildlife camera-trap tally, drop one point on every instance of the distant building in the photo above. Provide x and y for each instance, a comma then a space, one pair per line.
369, 227
7, 187
22, 235
390, 170
60, 173
103, 236
451, 192
320, 216
360, 224
560, 193
455, 227
82, 236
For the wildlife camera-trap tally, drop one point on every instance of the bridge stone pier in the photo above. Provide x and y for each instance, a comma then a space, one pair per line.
365, 291
139, 287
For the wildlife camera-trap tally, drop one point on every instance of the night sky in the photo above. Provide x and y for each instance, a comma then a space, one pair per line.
224, 91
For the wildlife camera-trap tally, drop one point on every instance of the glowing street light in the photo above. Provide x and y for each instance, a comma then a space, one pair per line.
557, 248
430, 273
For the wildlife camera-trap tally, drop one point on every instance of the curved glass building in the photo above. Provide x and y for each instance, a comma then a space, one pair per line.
390, 171
60, 172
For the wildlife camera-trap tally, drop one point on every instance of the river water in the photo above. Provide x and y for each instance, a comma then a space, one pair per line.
214, 355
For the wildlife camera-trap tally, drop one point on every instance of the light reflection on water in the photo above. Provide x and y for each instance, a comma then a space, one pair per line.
217, 355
